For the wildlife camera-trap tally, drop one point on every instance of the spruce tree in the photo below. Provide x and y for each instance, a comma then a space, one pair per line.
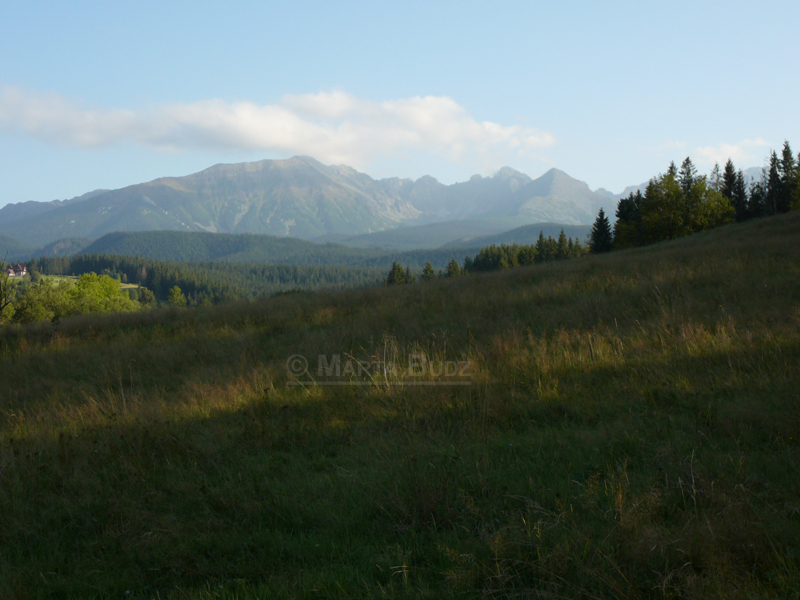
541, 248
774, 187
453, 270
601, 239
395, 276
739, 197
715, 179
788, 174
757, 206
687, 175
688, 180
728, 180
672, 169
628, 226
562, 248
427, 272
796, 191
407, 276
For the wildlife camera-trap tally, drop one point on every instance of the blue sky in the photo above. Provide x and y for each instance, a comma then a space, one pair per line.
107, 94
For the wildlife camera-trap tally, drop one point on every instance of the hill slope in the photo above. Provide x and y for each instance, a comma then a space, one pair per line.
11, 249
527, 234
628, 429
430, 235
200, 246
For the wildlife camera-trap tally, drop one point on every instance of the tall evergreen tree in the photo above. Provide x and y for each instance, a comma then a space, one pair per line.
427, 272
728, 180
687, 176
672, 169
715, 179
774, 187
541, 248
467, 264
395, 276
601, 237
788, 175
628, 226
796, 191
757, 205
453, 270
739, 197
562, 248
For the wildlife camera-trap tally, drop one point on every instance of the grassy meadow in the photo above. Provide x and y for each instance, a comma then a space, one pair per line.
631, 430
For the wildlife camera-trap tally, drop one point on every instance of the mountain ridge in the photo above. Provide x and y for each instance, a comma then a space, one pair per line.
303, 198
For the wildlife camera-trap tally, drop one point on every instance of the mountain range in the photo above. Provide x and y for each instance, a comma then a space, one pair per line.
302, 198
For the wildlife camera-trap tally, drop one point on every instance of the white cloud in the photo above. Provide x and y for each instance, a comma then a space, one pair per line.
743, 153
330, 126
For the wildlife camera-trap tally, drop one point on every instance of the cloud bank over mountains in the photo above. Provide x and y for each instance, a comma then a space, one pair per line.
334, 127
745, 151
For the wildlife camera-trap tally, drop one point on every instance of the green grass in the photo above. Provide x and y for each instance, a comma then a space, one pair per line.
59, 278
631, 431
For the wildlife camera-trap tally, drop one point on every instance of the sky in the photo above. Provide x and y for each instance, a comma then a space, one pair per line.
108, 94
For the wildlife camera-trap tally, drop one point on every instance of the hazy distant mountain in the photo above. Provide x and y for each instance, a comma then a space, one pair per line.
527, 234
23, 210
429, 235
554, 197
464, 200
753, 173
299, 197
631, 189
605, 193
11, 249
303, 198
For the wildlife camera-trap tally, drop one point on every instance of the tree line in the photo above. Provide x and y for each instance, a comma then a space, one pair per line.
92, 283
211, 282
35, 299
495, 258
681, 202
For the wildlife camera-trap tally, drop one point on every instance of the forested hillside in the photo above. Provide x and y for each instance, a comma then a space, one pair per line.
212, 282
184, 246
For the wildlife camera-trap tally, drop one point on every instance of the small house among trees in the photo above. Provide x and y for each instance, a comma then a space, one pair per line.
17, 270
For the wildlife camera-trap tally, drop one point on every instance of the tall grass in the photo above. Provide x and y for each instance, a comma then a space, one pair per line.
630, 431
